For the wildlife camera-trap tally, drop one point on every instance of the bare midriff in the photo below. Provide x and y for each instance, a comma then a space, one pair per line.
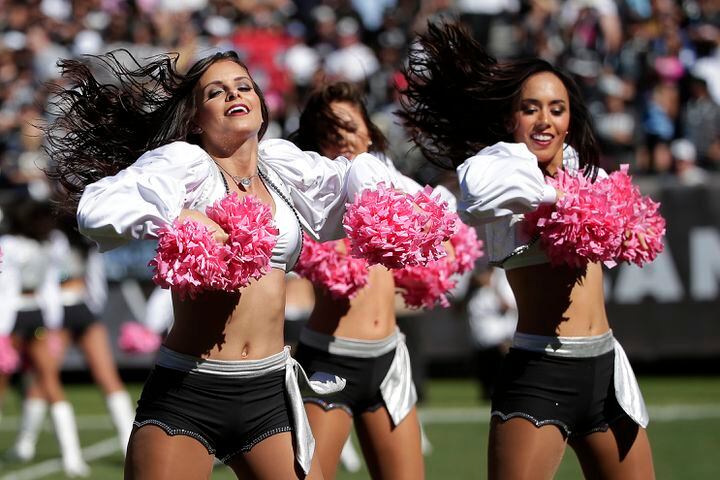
368, 316
245, 325
559, 301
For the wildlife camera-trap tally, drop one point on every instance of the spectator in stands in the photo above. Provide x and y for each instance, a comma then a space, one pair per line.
701, 124
684, 157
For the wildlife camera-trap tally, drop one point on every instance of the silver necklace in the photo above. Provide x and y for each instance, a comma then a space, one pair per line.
287, 201
244, 181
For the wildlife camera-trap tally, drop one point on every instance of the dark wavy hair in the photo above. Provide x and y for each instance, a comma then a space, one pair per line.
459, 99
320, 127
102, 128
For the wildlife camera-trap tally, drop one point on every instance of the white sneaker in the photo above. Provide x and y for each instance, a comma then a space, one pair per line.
76, 470
21, 452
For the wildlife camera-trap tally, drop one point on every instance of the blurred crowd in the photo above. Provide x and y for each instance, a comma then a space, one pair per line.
649, 69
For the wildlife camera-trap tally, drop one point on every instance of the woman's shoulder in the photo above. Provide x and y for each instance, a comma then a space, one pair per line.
273, 147
501, 151
506, 149
178, 151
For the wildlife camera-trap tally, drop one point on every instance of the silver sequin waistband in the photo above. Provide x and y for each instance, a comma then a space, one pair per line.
350, 347
572, 347
233, 368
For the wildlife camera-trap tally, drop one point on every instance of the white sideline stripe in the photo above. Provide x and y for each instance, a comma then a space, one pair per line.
54, 465
430, 415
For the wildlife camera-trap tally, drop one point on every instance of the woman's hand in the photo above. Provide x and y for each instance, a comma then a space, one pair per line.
218, 233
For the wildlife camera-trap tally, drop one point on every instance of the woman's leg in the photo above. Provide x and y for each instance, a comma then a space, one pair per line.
34, 408
621, 452
47, 368
46, 365
519, 450
330, 429
273, 458
391, 452
152, 454
95, 344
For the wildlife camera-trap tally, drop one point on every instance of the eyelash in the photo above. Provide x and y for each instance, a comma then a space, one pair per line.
242, 88
530, 111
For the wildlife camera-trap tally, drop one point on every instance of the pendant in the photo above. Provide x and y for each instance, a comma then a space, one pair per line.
244, 181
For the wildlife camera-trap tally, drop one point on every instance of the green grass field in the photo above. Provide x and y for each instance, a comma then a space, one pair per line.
684, 431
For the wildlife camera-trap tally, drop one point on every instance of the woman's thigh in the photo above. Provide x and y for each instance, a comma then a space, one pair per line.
154, 455
623, 451
391, 451
330, 429
517, 449
95, 344
271, 459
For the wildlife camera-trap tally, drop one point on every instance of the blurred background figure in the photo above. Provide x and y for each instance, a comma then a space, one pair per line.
492, 316
684, 158
82, 295
31, 298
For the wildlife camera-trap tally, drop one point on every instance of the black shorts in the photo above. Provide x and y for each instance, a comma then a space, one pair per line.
227, 415
576, 394
28, 324
77, 319
363, 376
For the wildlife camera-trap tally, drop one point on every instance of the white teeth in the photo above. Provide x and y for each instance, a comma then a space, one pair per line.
239, 108
542, 138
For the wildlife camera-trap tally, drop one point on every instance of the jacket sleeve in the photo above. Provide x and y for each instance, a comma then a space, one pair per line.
140, 199
501, 180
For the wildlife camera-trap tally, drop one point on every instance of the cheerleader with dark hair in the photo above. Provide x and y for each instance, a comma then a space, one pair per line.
505, 127
354, 333
151, 152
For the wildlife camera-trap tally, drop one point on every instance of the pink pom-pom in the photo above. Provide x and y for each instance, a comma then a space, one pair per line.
468, 248
643, 227
440, 225
330, 266
189, 260
137, 338
9, 358
385, 227
606, 221
583, 227
426, 286
252, 236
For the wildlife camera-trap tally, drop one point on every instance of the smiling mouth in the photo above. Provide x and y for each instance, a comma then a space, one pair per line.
542, 138
237, 110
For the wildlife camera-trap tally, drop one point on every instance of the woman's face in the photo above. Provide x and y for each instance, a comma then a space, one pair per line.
542, 118
353, 143
229, 109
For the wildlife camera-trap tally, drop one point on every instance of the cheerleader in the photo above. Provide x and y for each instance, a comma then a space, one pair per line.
82, 295
32, 316
566, 380
358, 338
159, 146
